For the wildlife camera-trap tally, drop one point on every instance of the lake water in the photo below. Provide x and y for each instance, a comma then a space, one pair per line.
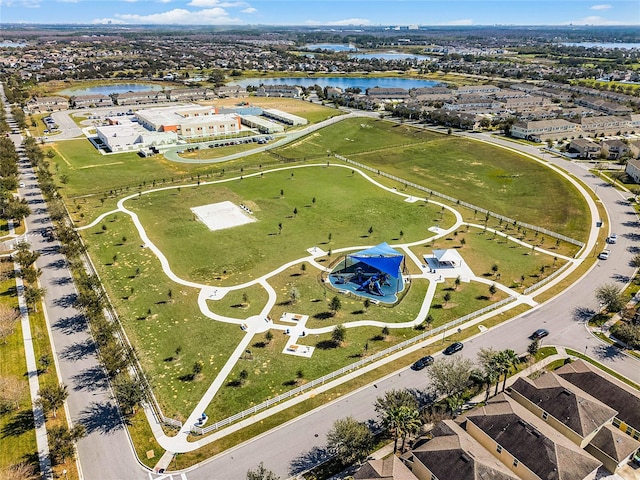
334, 47
111, 88
626, 46
341, 82
390, 56
12, 44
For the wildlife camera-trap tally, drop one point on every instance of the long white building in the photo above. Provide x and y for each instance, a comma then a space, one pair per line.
190, 121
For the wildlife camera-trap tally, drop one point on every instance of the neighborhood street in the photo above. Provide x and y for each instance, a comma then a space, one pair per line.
106, 453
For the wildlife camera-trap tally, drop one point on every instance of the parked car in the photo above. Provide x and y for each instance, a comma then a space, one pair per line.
21, 185
423, 362
613, 238
453, 348
604, 254
540, 333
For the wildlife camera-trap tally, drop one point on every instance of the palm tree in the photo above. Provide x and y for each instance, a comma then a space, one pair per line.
490, 372
401, 422
505, 360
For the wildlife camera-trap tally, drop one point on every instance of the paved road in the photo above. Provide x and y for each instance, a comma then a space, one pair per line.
291, 448
106, 452
90, 400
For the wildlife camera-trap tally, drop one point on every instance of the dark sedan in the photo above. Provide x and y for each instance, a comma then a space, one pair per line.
423, 362
453, 348
540, 333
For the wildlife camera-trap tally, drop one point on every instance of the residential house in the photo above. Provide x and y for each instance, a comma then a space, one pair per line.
397, 94
608, 389
47, 104
234, 91
189, 94
585, 148
525, 444
614, 149
96, 100
471, 102
288, 91
477, 90
139, 98
451, 450
604, 124
389, 468
634, 148
610, 108
540, 130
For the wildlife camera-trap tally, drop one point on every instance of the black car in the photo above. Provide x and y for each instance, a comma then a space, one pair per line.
423, 362
453, 348
540, 333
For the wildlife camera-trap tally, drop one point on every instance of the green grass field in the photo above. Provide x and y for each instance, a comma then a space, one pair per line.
345, 206
502, 181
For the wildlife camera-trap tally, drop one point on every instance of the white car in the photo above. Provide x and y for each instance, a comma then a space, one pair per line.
613, 238
604, 254
21, 184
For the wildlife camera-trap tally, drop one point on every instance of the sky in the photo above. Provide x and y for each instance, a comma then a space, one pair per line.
322, 12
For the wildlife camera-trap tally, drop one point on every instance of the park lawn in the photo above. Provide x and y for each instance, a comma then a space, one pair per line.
17, 432
482, 250
355, 135
271, 372
235, 305
82, 165
499, 180
313, 112
466, 298
346, 206
157, 322
314, 298
218, 152
476, 172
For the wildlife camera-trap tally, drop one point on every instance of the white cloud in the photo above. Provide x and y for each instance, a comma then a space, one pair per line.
603, 6
594, 20
177, 16
461, 21
345, 22
203, 3
21, 3
249, 10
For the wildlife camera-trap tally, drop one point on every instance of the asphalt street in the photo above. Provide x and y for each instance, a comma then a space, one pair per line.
106, 453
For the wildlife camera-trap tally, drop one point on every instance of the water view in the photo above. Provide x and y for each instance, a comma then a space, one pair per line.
390, 56
341, 82
334, 47
112, 88
11, 44
611, 45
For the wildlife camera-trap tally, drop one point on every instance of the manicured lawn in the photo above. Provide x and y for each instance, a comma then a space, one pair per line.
83, 165
17, 434
313, 112
157, 322
482, 250
481, 174
346, 207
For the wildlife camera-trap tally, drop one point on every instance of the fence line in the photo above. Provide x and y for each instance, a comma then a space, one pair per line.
463, 203
354, 366
546, 280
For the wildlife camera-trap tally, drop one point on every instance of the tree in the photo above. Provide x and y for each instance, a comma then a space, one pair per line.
349, 440
494, 268
533, 347
635, 261
447, 297
505, 361
335, 305
19, 471
12, 390
294, 295
370, 231
197, 368
450, 375
339, 334
490, 373
457, 282
268, 337
52, 397
261, 473
62, 441
129, 393
398, 411
493, 289
8, 321
611, 298
33, 295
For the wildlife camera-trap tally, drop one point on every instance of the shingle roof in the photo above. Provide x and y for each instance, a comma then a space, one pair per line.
607, 389
540, 448
453, 453
390, 468
615, 443
562, 400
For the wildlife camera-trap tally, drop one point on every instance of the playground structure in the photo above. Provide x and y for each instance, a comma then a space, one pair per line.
372, 273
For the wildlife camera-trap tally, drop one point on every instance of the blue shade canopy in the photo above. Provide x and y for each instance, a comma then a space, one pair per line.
381, 257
